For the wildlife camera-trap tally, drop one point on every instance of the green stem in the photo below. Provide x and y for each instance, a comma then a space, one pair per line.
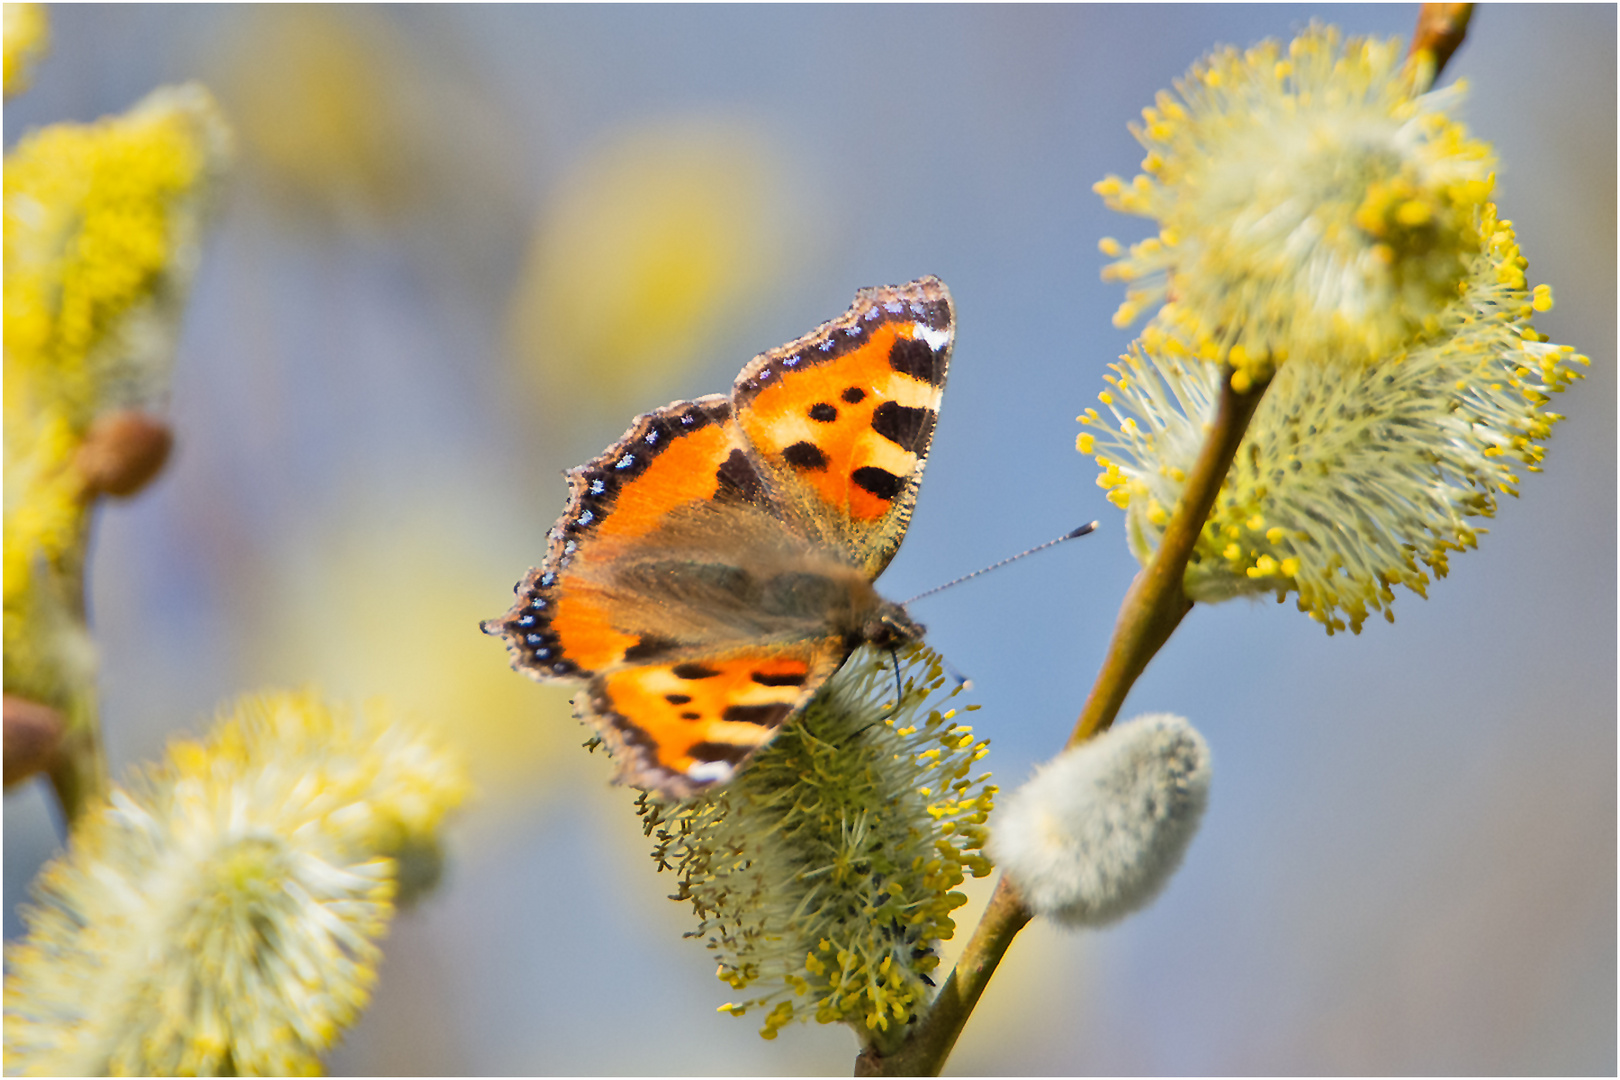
79, 775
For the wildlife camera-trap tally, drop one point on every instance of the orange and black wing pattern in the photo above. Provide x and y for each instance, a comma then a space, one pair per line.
841, 420
642, 571
681, 728
713, 566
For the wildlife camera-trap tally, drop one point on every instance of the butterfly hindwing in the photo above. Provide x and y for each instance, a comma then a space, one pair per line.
841, 419
679, 728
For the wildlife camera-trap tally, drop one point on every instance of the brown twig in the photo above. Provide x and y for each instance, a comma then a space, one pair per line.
33, 738
1440, 30
1155, 604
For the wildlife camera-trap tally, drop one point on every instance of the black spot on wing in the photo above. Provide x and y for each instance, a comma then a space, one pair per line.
803, 455
853, 394
880, 482
693, 671
738, 479
908, 428
677, 699
714, 751
763, 715
650, 647
777, 680
912, 308
912, 356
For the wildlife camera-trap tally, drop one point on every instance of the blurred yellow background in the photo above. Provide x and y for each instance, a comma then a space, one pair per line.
466, 245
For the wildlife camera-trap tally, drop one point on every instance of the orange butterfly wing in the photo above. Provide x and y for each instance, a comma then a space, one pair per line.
680, 728
706, 578
842, 418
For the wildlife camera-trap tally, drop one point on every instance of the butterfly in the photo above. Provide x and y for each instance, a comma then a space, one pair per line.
715, 566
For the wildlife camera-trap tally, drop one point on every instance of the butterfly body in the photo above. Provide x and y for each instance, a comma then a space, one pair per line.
715, 565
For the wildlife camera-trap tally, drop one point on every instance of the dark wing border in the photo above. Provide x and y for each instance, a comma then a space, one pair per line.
593, 490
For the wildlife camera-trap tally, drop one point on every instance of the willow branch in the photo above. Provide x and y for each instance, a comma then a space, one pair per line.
1153, 608
1156, 604
78, 772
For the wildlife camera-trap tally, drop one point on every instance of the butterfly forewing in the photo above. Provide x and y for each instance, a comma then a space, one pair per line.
842, 419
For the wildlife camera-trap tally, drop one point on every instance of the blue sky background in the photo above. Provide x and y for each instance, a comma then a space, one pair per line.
1408, 864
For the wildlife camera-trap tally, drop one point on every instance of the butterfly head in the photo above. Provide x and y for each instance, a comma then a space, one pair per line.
889, 626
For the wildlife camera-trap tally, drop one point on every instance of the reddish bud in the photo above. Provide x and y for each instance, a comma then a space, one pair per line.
123, 450
33, 735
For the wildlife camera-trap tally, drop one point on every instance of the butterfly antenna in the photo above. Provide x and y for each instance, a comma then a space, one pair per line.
1081, 531
899, 688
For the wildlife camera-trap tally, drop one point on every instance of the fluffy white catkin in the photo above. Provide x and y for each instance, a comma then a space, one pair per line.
1100, 828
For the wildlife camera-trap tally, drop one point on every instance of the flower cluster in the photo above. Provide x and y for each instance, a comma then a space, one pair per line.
102, 228
1308, 204
220, 913
102, 231
1315, 209
1351, 478
825, 874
